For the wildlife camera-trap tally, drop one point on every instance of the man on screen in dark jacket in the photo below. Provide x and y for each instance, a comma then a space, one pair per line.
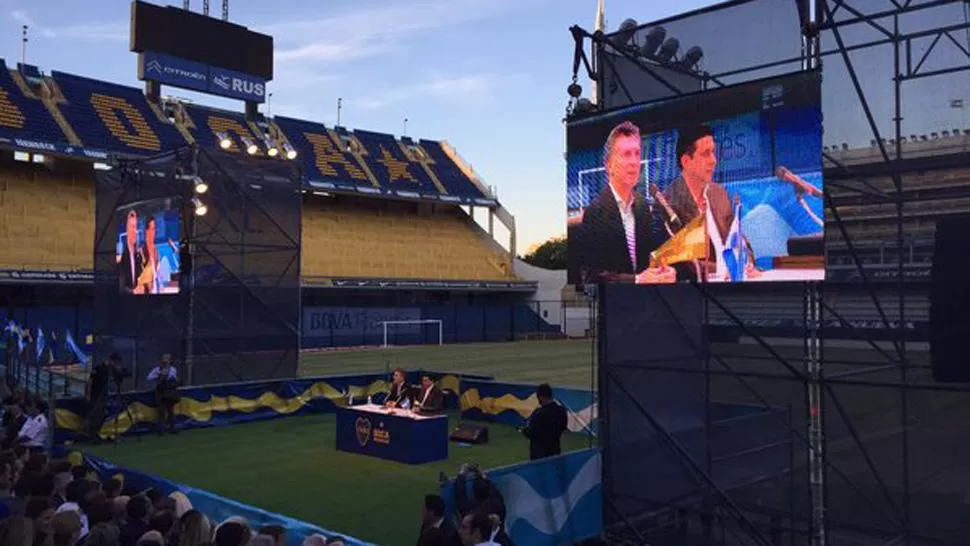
617, 235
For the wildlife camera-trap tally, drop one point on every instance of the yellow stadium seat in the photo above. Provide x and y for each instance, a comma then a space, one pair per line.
385, 240
46, 222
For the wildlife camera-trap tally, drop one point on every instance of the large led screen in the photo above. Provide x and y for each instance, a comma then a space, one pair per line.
147, 247
715, 186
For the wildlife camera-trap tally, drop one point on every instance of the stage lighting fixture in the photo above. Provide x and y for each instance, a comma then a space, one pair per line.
224, 142
200, 186
251, 147
692, 57
200, 208
668, 50
653, 41
628, 29
271, 148
290, 152
584, 106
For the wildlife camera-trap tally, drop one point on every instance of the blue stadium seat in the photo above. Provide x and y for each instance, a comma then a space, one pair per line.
450, 175
391, 167
209, 121
21, 117
114, 118
322, 158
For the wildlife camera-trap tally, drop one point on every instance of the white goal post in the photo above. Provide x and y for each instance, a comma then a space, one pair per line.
441, 334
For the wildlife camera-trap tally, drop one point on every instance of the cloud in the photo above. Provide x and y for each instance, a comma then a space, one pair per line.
465, 90
93, 32
377, 29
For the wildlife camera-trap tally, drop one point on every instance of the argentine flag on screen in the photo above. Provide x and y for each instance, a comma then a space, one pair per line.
735, 252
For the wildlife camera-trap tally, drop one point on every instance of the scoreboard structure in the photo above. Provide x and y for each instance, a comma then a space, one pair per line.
189, 50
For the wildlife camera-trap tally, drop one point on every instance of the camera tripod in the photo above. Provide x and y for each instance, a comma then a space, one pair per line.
122, 403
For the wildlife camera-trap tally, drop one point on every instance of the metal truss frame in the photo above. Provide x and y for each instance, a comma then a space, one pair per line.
178, 168
831, 19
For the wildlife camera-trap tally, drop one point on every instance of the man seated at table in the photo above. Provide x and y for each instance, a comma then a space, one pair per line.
430, 399
400, 395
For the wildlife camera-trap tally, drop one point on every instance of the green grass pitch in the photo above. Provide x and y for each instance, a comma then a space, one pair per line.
290, 466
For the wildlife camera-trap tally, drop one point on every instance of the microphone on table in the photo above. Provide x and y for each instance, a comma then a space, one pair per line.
671, 220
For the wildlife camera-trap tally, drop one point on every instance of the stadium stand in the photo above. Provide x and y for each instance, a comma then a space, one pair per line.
23, 116
391, 240
114, 118
203, 124
324, 155
387, 161
46, 220
448, 172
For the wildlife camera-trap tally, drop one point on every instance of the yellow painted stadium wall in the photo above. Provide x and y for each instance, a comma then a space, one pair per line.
46, 221
384, 241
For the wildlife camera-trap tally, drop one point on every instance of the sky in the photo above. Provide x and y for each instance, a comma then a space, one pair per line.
488, 76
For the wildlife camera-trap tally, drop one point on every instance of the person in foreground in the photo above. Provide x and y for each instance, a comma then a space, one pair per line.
477, 530
616, 236
435, 527
545, 426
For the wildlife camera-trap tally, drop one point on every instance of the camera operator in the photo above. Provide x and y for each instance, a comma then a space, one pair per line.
99, 391
165, 376
485, 498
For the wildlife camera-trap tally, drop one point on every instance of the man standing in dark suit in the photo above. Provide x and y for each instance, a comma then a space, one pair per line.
435, 527
691, 193
430, 400
616, 236
545, 426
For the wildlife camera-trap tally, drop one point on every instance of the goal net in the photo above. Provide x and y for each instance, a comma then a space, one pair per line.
412, 332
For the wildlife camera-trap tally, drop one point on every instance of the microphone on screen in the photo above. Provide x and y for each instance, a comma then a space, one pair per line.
672, 220
801, 187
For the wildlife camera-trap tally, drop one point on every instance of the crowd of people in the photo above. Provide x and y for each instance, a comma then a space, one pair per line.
46, 501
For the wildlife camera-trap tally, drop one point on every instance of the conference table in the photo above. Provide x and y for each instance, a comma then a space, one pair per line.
395, 435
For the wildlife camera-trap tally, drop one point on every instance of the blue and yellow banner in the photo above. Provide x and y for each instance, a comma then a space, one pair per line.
513, 403
219, 405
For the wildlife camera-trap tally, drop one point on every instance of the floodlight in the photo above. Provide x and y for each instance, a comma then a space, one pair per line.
692, 57
653, 40
271, 148
200, 186
628, 29
200, 208
290, 152
251, 147
224, 141
668, 50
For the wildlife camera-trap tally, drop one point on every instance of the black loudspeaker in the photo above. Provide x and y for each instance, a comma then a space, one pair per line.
950, 301
468, 433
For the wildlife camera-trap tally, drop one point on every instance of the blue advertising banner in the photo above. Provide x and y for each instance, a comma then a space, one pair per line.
173, 71
236, 85
178, 72
551, 501
513, 403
